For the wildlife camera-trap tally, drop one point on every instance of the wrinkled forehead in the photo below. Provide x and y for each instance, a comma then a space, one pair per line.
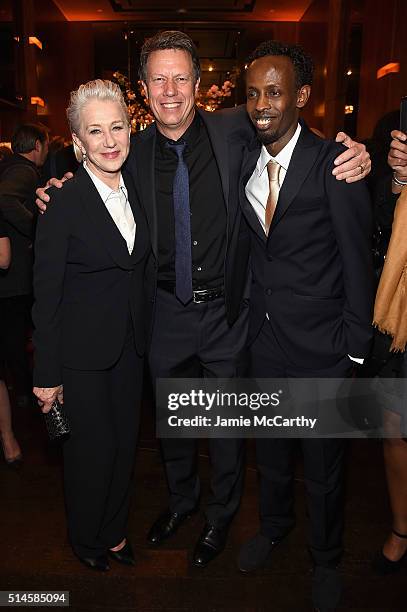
101, 111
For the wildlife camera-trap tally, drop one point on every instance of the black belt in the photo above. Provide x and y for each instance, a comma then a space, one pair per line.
198, 295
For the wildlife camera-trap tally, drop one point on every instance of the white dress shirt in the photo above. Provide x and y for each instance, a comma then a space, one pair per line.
118, 206
258, 187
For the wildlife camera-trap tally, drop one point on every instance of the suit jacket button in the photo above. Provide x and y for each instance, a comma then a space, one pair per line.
269, 258
268, 291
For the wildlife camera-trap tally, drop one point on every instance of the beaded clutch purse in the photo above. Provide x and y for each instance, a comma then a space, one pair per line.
57, 421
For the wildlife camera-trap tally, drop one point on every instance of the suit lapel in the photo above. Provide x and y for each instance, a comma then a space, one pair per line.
141, 238
220, 148
303, 158
103, 223
142, 168
250, 157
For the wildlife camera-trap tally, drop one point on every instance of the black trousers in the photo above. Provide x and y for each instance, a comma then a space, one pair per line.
104, 409
323, 463
195, 341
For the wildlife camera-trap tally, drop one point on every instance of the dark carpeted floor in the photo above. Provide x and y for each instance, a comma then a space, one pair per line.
35, 555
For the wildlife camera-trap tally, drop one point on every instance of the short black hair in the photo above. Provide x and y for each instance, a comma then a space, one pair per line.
169, 39
26, 135
303, 64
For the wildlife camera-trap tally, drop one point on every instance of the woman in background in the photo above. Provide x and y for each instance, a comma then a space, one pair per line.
11, 448
391, 317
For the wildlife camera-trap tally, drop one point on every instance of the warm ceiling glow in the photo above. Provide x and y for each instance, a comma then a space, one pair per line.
33, 40
348, 109
210, 68
387, 69
37, 100
349, 72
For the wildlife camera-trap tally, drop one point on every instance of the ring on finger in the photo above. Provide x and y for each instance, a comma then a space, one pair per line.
362, 168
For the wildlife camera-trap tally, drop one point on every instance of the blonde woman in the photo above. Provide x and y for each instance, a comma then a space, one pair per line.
90, 257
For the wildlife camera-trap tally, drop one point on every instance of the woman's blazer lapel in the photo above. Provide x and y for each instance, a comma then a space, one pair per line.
103, 223
142, 239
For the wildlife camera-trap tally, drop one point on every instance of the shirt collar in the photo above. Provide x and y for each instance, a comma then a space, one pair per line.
104, 190
283, 157
190, 136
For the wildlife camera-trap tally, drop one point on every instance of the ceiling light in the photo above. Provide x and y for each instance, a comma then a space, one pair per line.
33, 40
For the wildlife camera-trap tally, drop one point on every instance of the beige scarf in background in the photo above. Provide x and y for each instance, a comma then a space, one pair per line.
390, 311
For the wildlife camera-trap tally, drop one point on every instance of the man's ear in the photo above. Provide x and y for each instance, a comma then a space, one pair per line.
38, 145
145, 89
196, 87
303, 95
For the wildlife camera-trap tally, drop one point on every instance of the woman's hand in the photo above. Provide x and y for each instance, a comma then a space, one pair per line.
47, 396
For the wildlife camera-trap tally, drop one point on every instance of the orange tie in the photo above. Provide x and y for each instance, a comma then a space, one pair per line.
273, 169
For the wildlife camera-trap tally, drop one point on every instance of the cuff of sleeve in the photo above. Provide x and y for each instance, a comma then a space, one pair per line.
359, 360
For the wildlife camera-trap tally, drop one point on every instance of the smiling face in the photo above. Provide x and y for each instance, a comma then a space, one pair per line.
171, 90
273, 100
104, 138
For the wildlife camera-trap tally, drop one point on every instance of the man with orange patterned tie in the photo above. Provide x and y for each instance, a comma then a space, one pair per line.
311, 297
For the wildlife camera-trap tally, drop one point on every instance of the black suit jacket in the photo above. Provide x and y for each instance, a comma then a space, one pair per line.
223, 129
87, 286
313, 274
19, 179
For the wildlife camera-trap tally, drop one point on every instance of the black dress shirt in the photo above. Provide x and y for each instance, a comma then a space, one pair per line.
208, 210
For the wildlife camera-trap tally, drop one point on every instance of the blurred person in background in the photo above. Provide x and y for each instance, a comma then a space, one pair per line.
19, 178
61, 159
5, 152
11, 448
391, 318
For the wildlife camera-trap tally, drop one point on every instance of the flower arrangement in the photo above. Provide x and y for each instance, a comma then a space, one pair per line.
139, 112
215, 96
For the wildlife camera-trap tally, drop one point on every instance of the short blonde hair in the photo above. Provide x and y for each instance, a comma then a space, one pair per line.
98, 89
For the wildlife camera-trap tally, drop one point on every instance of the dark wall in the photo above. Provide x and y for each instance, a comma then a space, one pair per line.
384, 41
67, 61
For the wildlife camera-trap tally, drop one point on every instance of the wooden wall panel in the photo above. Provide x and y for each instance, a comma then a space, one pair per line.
384, 41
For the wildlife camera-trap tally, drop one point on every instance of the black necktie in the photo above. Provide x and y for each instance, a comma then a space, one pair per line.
182, 223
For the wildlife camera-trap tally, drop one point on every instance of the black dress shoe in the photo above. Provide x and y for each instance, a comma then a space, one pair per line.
255, 553
211, 542
326, 589
100, 564
166, 525
124, 555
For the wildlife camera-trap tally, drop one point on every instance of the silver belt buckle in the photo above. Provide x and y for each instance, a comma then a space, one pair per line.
196, 295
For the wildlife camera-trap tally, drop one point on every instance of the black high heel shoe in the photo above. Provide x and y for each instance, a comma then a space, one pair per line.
14, 463
125, 555
384, 566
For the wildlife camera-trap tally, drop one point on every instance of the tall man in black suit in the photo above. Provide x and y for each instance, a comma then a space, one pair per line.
204, 334
311, 296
